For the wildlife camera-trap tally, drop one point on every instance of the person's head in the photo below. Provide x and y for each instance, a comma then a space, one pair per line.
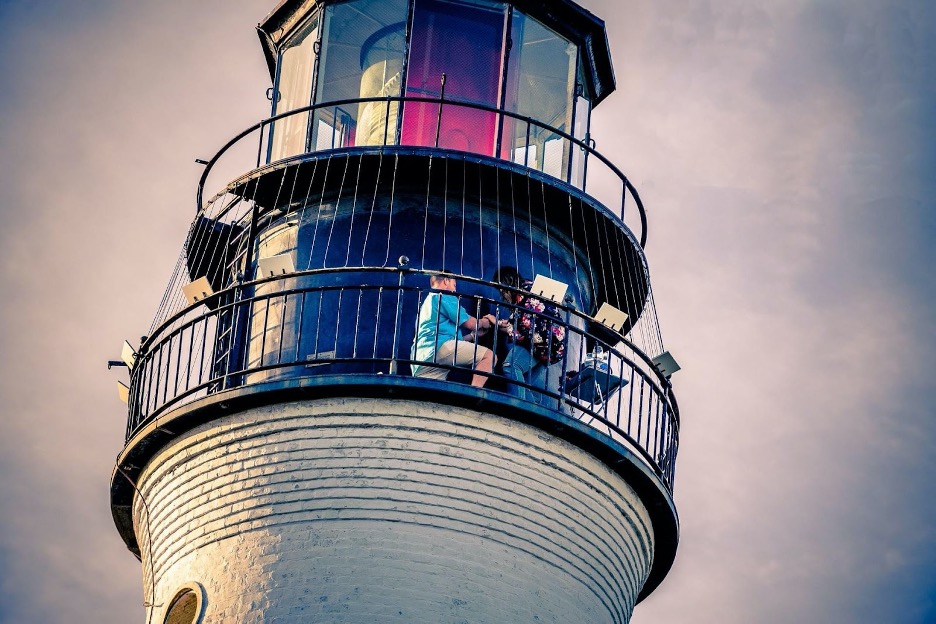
508, 276
443, 281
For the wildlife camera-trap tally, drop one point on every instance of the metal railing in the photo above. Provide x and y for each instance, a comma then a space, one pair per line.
515, 139
321, 324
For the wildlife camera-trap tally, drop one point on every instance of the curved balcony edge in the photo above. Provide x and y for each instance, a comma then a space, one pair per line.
575, 178
274, 328
250, 178
148, 440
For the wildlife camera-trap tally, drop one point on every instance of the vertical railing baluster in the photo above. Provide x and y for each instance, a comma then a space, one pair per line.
380, 294
150, 389
158, 376
357, 324
439, 117
565, 354
301, 317
338, 322
640, 409
191, 359
318, 322
386, 131
587, 151
568, 177
168, 369
526, 148
622, 363
282, 322
630, 401
242, 322
260, 144
401, 268
266, 319
204, 344
623, 197
334, 133
178, 365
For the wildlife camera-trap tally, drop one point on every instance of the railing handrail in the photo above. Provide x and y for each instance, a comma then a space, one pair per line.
581, 144
569, 309
165, 353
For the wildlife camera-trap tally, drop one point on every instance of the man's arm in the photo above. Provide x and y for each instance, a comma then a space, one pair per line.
481, 327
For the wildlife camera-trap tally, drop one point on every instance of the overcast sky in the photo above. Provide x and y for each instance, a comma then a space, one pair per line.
785, 151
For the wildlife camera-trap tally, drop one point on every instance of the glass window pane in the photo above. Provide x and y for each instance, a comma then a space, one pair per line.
464, 41
540, 85
363, 43
581, 129
293, 91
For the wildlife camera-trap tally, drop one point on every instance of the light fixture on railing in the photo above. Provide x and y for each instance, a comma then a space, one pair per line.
548, 288
611, 317
128, 354
666, 364
197, 290
281, 264
123, 392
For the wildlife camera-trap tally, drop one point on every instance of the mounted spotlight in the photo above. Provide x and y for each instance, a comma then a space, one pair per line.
128, 354
549, 288
666, 364
197, 290
611, 317
275, 265
123, 392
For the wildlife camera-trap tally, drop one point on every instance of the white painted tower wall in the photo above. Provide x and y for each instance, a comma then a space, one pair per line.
364, 510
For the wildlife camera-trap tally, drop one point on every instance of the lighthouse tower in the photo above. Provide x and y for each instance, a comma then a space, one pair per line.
285, 459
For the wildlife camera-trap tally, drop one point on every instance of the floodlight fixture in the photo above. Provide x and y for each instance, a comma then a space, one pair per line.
197, 290
281, 264
611, 317
128, 354
549, 288
666, 364
123, 392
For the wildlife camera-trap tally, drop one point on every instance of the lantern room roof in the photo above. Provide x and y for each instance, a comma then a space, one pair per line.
563, 16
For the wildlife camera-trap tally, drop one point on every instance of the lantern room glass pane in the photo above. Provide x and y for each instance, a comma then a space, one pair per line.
540, 83
464, 41
294, 90
581, 125
363, 44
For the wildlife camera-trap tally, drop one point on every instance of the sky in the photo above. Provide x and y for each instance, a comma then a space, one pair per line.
785, 151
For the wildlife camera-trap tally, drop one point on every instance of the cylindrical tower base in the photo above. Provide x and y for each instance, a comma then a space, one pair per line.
363, 510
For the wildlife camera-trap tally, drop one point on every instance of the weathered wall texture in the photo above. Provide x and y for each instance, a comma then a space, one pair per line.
389, 511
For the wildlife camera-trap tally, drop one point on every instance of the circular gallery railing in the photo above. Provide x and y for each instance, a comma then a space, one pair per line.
325, 324
431, 124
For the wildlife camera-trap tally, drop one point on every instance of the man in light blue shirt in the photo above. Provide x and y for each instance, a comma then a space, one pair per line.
438, 335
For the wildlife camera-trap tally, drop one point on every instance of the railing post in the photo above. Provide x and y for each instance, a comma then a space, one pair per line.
526, 147
623, 198
439, 118
588, 149
260, 144
568, 177
565, 354
401, 267
386, 130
